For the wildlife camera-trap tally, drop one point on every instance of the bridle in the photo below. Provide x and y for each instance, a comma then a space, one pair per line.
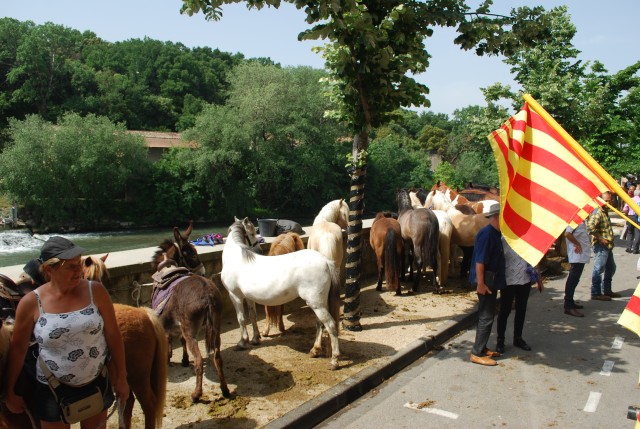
182, 260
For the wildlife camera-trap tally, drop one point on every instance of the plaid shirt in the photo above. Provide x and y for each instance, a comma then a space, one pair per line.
599, 223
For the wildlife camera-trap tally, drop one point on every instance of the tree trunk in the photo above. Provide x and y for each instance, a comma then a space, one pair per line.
351, 319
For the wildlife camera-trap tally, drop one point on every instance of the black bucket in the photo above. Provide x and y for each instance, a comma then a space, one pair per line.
268, 227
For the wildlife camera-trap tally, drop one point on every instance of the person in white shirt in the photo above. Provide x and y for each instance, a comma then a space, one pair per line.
519, 277
578, 253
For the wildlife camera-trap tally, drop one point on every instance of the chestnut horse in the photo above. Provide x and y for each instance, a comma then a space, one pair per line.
282, 244
194, 301
420, 232
145, 351
385, 239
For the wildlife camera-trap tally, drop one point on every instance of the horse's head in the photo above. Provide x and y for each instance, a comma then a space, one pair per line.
95, 269
245, 232
336, 211
403, 200
185, 253
343, 214
180, 250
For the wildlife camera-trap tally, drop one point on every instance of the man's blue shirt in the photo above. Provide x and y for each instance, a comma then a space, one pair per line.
488, 250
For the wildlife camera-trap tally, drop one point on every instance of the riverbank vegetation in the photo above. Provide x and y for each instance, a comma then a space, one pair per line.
264, 145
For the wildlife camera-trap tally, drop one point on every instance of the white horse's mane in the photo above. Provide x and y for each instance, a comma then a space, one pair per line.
239, 232
332, 212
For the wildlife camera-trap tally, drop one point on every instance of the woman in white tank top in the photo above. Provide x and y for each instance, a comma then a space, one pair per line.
74, 324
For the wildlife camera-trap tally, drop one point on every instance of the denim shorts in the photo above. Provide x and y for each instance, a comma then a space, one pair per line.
47, 409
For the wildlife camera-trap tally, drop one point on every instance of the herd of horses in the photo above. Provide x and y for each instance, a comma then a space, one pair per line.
426, 228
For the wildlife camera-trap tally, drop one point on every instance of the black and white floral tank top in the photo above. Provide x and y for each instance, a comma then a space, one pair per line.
72, 344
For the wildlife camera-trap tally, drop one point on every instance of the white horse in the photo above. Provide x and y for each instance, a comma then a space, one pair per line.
326, 234
276, 280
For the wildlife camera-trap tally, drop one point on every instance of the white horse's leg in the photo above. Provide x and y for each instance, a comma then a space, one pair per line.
316, 350
255, 340
323, 315
244, 335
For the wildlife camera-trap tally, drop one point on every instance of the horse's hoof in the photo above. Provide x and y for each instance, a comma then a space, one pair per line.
185, 363
334, 364
398, 292
314, 353
225, 391
255, 342
241, 346
195, 398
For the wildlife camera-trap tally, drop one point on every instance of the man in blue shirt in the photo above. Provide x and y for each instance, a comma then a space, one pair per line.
488, 274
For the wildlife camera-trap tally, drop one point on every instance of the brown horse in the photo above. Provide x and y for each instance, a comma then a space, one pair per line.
282, 244
194, 301
420, 232
145, 349
386, 240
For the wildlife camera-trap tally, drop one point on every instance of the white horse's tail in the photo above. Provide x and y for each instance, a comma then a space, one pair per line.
334, 293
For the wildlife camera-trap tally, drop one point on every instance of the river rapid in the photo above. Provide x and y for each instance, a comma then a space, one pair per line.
17, 246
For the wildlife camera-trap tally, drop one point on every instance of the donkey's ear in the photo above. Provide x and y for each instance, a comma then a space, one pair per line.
235, 219
187, 233
104, 258
176, 234
88, 261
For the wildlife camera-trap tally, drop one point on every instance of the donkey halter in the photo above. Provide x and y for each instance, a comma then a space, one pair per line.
183, 261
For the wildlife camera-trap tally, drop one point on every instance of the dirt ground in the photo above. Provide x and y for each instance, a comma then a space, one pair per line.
271, 379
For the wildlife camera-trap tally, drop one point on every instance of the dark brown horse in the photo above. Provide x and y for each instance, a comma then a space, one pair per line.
194, 301
420, 232
282, 244
386, 240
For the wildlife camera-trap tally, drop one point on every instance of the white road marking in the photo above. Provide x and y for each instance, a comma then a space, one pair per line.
430, 410
617, 343
607, 367
592, 402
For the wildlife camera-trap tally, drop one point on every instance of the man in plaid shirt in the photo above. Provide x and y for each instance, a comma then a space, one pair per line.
601, 232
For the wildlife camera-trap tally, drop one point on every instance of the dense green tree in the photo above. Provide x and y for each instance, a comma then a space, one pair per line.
258, 150
147, 84
79, 171
373, 48
12, 32
46, 63
391, 166
611, 124
595, 108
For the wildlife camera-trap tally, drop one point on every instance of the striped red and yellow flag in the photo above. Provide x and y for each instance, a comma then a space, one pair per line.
630, 317
544, 184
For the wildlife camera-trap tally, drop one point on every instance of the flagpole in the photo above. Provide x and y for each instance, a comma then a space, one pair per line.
597, 168
622, 215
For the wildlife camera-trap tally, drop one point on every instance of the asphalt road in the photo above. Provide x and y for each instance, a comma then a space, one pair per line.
581, 373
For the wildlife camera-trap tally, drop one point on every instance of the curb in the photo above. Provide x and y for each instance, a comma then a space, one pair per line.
339, 396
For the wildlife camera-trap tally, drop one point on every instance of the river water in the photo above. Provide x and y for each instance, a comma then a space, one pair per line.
17, 246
